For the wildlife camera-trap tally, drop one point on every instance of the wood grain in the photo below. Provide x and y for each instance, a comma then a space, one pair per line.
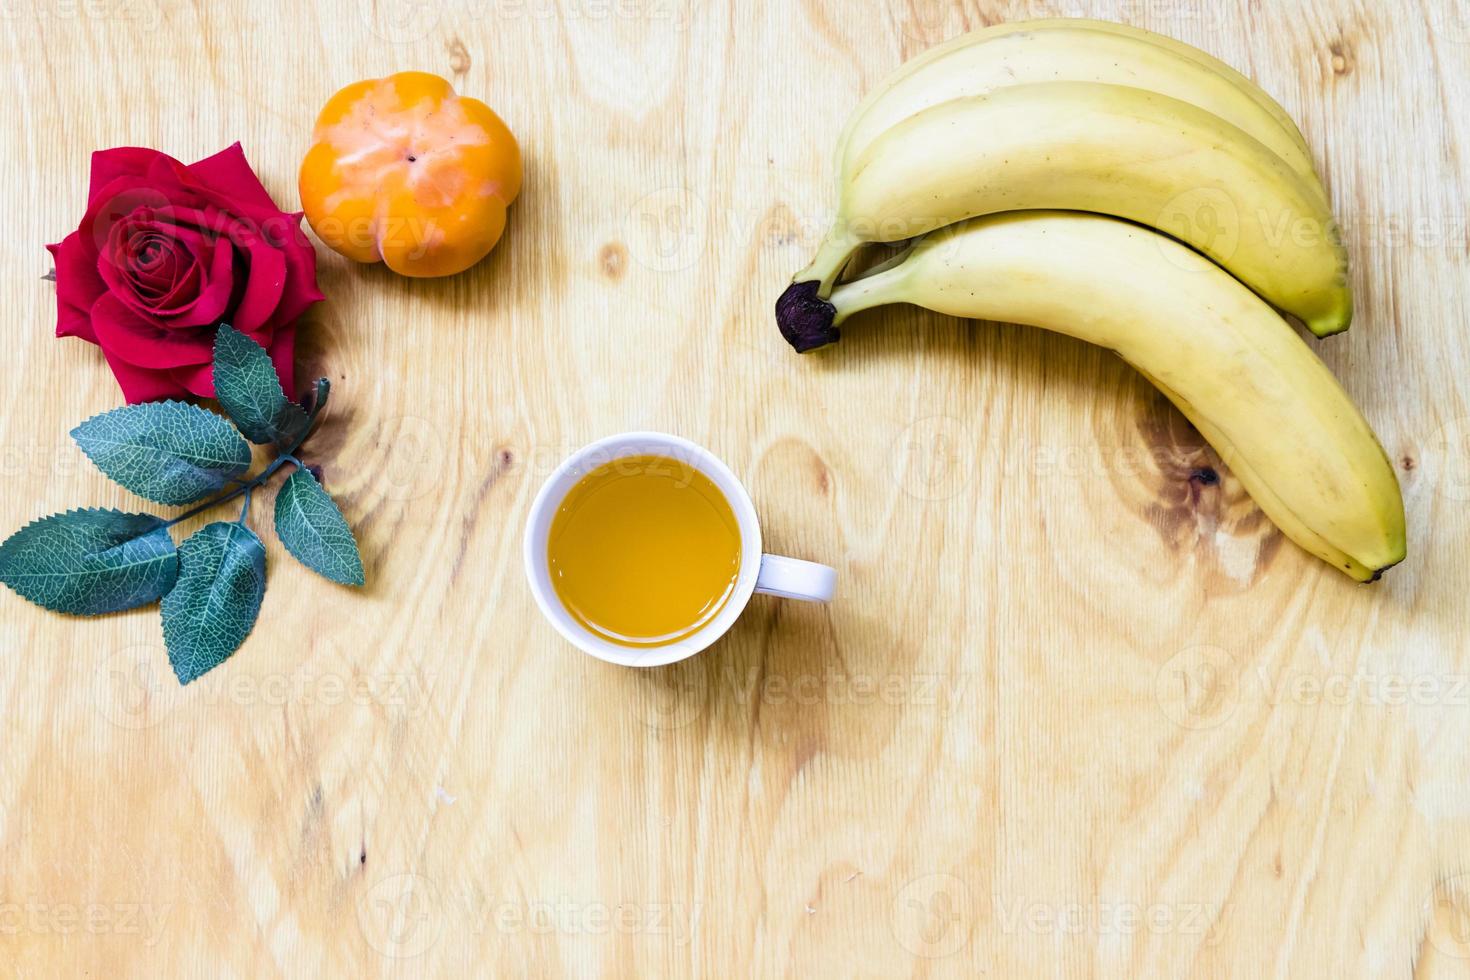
1075, 713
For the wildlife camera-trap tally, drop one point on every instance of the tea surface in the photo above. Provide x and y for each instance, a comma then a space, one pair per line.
644, 550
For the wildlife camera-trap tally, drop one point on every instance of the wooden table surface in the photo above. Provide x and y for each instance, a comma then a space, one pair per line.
1073, 713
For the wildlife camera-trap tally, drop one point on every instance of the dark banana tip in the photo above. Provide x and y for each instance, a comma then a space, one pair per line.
1378, 572
805, 318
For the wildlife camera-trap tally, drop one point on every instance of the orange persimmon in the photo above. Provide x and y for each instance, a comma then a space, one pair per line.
404, 171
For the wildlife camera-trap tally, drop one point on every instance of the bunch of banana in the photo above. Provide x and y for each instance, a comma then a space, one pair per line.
1010, 154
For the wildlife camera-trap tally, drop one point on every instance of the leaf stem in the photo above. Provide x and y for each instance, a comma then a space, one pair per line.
245, 487
239, 491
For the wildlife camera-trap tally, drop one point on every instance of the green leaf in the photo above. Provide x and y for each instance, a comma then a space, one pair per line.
314, 531
214, 605
246, 384
167, 452
87, 562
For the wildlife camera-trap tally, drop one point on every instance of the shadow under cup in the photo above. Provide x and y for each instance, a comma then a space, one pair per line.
600, 454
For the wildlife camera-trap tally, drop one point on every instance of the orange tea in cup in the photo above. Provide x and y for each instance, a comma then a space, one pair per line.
644, 550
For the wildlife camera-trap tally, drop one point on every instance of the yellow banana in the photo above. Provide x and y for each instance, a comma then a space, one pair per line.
1110, 149
1253, 388
1256, 93
1072, 49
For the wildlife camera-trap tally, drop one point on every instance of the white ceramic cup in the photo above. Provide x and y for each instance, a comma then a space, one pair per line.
790, 578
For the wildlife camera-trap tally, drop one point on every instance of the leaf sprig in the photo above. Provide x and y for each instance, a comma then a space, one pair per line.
93, 561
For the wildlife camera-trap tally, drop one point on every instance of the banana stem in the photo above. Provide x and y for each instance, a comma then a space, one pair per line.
832, 257
808, 321
865, 293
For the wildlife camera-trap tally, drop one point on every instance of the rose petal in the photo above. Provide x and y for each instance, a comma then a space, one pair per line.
112, 266
199, 305
229, 176
115, 202
76, 275
157, 268
185, 287
126, 335
264, 280
301, 290
140, 384
217, 289
72, 322
265, 270
158, 262
282, 350
200, 247
113, 260
120, 161
77, 288
178, 306
168, 175
197, 380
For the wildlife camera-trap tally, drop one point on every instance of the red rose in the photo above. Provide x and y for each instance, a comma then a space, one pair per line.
165, 254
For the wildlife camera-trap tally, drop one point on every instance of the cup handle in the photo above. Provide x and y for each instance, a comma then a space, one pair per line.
792, 578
